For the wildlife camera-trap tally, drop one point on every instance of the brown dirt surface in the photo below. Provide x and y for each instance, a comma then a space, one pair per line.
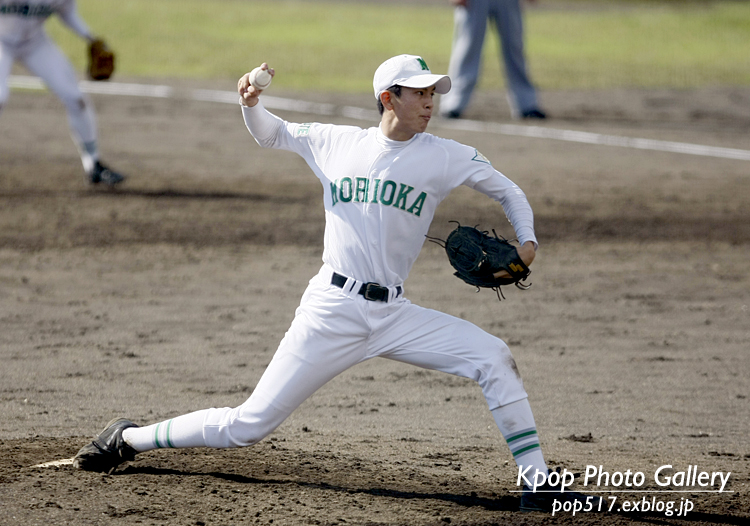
171, 293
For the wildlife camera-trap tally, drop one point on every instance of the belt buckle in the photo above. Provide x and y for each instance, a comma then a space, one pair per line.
373, 292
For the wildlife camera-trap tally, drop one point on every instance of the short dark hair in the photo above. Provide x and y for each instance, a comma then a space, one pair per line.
396, 90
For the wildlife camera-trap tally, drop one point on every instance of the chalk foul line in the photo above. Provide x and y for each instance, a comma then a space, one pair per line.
351, 112
55, 463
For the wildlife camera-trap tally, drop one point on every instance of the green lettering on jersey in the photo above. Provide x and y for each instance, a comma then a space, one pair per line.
27, 10
334, 194
375, 192
360, 192
402, 193
388, 185
345, 190
303, 130
416, 208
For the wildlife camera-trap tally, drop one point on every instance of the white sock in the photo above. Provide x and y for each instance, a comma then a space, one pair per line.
82, 122
516, 423
181, 432
89, 153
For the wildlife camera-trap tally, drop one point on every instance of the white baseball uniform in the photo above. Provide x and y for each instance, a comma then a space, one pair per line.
380, 196
22, 38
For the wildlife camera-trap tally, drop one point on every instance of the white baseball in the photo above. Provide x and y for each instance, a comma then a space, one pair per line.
260, 78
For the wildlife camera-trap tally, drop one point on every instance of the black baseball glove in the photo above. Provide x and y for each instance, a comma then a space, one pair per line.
476, 256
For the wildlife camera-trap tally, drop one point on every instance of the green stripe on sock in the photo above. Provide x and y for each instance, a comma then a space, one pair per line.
520, 435
169, 440
156, 435
525, 449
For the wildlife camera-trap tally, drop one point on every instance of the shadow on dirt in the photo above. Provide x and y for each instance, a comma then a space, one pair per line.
502, 503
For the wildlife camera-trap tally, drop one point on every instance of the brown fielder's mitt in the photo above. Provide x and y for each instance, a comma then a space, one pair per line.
476, 256
101, 60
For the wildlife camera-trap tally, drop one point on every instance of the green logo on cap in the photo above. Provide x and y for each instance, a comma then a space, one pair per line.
423, 63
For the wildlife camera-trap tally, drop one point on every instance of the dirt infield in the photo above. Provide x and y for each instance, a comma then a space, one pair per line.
171, 294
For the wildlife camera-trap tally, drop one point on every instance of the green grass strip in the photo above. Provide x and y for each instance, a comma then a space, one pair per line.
322, 46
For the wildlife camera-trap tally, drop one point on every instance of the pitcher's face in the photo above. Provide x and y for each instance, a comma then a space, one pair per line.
413, 109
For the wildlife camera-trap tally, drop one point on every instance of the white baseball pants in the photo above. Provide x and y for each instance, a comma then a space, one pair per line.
334, 330
45, 60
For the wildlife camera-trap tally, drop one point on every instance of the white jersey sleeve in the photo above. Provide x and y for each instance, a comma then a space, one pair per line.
470, 168
68, 12
312, 141
262, 125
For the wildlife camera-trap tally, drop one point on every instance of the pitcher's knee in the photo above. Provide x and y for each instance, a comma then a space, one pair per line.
243, 435
507, 361
495, 358
501, 380
233, 427
74, 105
237, 433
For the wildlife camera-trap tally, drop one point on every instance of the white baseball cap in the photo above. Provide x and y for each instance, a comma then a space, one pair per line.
409, 71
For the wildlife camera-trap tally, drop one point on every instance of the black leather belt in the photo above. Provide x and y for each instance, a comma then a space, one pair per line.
370, 291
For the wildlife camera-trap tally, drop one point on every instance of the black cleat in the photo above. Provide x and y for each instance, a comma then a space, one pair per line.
108, 450
533, 114
102, 174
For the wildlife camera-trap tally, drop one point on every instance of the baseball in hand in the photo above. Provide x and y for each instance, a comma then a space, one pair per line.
260, 78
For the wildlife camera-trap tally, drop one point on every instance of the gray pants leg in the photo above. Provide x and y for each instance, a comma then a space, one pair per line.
469, 26
509, 23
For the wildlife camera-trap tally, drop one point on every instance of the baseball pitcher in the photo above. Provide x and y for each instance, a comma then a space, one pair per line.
381, 186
